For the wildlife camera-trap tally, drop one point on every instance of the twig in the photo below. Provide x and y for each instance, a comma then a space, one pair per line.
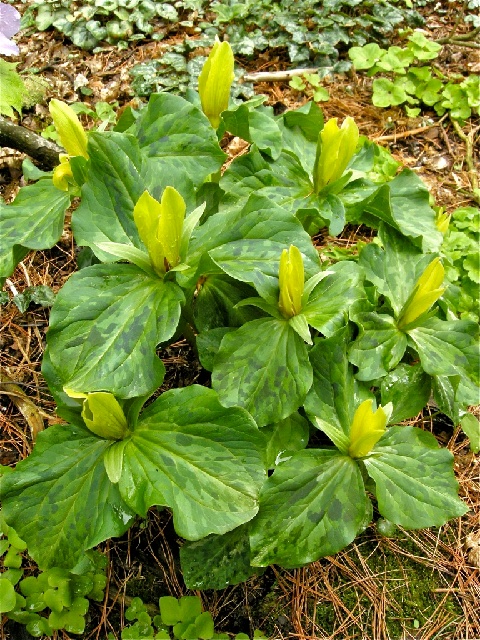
410, 132
468, 139
276, 76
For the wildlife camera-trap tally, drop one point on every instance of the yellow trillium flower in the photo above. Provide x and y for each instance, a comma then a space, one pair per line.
335, 149
69, 128
442, 221
291, 279
367, 428
425, 293
160, 226
62, 174
215, 81
104, 416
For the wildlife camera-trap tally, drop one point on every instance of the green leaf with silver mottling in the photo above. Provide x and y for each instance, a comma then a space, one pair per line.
214, 304
408, 388
394, 269
33, 221
257, 232
448, 348
286, 183
330, 401
255, 125
105, 325
205, 463
217, 562
285, 438
394, 202
263, 367
415, 484
313, 505
118, 175
176, 136
379, 347
328, 304
61, 494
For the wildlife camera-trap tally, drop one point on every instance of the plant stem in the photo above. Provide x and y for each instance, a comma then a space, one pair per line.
469, 144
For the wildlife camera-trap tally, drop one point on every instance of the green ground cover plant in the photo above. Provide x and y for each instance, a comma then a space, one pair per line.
312, 368
410, 78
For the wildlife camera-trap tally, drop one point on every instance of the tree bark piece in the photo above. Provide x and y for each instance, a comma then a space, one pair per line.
45, 152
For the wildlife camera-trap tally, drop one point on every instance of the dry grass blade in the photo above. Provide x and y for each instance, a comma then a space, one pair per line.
27, 408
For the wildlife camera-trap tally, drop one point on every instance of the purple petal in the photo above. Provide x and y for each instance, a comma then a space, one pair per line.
9, 20
8, 47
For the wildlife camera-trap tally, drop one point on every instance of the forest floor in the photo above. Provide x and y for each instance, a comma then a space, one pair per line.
422, 585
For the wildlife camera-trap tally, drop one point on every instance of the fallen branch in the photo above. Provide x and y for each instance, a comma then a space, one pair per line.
410, 132
45, 152
276, 76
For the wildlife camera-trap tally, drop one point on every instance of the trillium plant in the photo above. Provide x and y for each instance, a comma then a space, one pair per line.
314, 365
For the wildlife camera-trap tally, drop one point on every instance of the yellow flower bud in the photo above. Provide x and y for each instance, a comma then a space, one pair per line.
442, 221
70, 131
215, 81
104, 416
291, 280
335, 149
62, 174
160, 226
367, 428
425, 293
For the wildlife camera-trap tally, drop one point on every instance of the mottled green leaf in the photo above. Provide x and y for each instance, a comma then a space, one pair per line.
414, 479
379, 347
257, 232
217, 562
105, 325
285, 438
395, 268
312, 506
33, 221
263, 367
254, 125
395, 203
176, 136
214, 305
328, 304
448, 348
60, 500
330, 401
205, 463
408, 388
118, 175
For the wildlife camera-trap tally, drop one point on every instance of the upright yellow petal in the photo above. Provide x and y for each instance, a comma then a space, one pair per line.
146, 215
70, 131
170, 226
104, 416
366, 429
215, 81
335, 149
291, 279
426, 291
